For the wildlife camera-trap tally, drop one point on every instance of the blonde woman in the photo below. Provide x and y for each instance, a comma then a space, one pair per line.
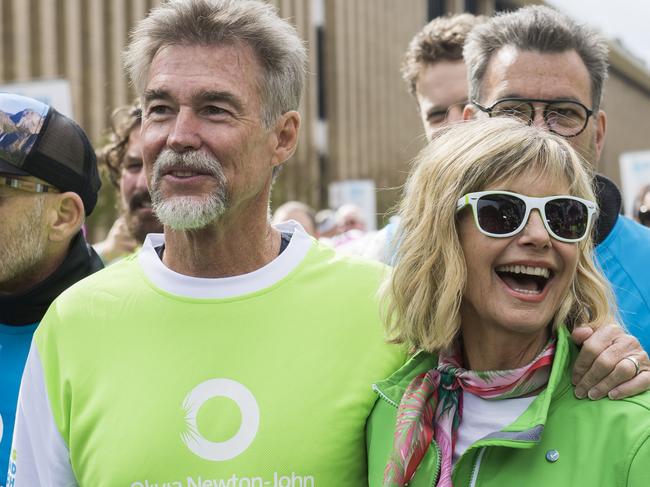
494, 270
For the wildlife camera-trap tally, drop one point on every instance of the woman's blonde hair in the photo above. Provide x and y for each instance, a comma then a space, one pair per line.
424, 294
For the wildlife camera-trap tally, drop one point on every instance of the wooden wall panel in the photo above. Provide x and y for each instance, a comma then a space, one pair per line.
73, 65
373, 125
49, 46
22, 39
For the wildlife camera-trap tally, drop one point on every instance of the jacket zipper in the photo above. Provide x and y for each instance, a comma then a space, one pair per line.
384, 396
439, 455
476, 468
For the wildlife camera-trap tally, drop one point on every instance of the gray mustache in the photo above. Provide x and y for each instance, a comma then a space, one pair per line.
194, 160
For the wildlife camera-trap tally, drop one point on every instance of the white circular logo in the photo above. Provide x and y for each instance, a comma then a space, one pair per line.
250, 419
1, 427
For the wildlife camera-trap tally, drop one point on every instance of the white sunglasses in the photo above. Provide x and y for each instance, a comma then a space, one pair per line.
503, 214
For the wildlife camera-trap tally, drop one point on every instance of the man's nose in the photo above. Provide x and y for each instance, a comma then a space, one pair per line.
184, 133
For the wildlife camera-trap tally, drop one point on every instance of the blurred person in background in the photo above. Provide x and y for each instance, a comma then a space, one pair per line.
642, 206
350, 217
122, 156
299, 212
352, 228
543, 68
326, 224
48, 184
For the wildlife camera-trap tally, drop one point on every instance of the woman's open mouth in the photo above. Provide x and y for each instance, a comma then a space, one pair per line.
525, 279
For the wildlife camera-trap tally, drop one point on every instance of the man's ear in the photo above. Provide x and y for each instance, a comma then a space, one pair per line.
286, 137
65, 215
601, 130
469, 112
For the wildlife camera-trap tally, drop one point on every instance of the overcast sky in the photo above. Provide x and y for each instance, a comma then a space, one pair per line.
627, 20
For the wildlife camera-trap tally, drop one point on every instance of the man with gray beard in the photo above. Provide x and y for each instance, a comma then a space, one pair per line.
48, 183
227, 350
185, 212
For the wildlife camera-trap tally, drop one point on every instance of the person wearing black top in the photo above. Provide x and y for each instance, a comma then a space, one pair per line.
48, 183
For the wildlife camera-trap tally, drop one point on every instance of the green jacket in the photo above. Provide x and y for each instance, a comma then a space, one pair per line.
558, 441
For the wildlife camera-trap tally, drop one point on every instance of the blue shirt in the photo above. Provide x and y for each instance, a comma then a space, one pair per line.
14, 346
624, 257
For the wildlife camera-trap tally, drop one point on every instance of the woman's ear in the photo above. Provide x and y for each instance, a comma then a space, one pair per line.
65, 216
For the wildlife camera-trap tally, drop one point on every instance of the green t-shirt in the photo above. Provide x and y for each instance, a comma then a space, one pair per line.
139, 376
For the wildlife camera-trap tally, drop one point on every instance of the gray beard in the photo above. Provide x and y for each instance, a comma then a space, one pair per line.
25, 248
188, 212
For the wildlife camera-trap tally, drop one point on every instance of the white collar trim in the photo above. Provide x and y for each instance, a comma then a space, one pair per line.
227, 287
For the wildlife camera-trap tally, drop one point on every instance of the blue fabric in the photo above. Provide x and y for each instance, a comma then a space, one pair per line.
14, 347
624, 257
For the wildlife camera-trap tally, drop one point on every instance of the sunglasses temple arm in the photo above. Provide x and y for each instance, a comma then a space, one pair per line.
462, 202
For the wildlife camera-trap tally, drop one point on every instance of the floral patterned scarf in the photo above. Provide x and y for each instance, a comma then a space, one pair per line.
432, 407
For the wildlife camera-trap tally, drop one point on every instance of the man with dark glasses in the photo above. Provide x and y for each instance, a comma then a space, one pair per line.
48, 183
544, 69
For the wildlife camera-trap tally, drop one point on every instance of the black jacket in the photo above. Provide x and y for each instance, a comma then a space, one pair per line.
29, 307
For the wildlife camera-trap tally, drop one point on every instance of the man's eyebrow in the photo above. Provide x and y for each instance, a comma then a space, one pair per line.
219, 96
438, 109
150, 95
200, 97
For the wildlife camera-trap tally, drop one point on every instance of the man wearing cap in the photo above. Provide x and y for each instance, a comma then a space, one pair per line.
48, 182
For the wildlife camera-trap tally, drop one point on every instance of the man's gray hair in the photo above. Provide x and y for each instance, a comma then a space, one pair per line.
535, 28
275, 42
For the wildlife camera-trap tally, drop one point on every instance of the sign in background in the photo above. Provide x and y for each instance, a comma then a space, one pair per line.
635, 174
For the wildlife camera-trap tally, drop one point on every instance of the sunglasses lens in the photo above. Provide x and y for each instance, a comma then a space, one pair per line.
567, 218
500, 214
